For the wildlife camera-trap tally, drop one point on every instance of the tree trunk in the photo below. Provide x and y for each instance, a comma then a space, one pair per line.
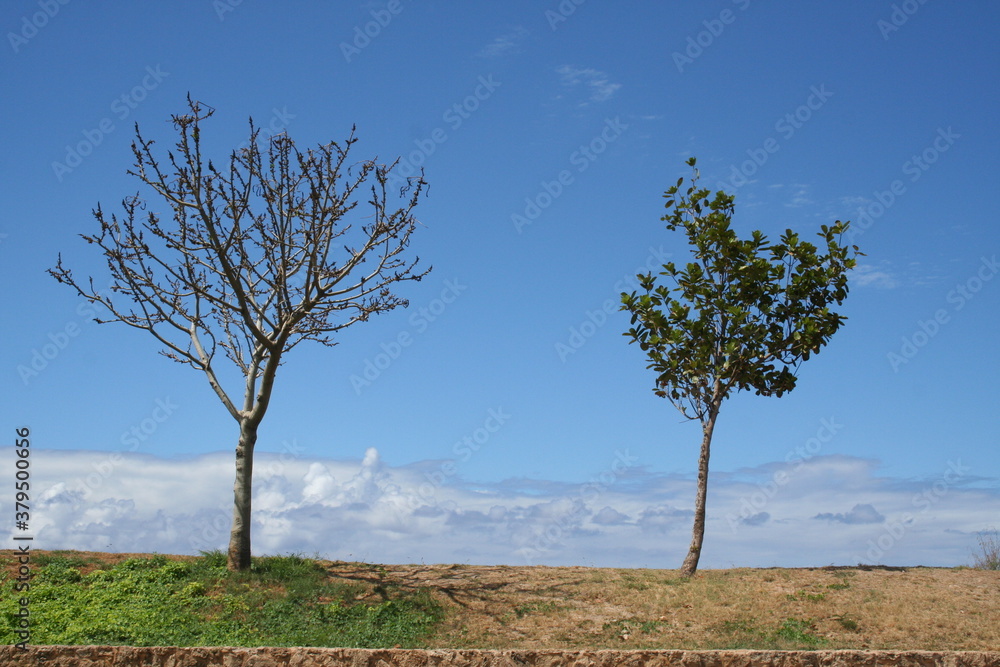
239, 537
690, 565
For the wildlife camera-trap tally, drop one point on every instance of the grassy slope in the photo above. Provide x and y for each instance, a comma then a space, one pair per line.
158, 600
111, 598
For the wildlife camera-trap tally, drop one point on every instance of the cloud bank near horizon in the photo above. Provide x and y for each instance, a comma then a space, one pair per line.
812, 511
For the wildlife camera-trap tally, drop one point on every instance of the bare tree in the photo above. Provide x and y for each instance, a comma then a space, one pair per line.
255, 258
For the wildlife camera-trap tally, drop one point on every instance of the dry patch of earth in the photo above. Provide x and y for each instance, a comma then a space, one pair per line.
503, 607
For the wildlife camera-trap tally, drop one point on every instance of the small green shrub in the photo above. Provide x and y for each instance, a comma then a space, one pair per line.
194, 589
212, 559
743, 634
285, 568
848, 623
142, 564
799, 632
67, 558
805, 595
60, 571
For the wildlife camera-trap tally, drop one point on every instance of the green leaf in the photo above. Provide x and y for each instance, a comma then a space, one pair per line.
740, 305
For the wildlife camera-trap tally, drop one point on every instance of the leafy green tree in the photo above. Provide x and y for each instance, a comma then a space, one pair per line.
743, 315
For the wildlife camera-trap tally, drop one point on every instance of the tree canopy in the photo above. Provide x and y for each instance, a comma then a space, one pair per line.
743, 315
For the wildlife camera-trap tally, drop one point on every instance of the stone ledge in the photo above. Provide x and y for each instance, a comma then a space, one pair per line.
168, 656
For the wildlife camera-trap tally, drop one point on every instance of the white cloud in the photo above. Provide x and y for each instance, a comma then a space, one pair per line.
784, 514
758, 519
319, 484
860, 513
853, 201
507, 43
866, 275
609, 516
598, 85
800, 197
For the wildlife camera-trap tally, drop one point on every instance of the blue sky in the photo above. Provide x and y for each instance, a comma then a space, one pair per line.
548, 132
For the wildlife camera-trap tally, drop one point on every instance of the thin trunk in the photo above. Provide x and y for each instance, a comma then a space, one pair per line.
690, 565
239, 537
250, 418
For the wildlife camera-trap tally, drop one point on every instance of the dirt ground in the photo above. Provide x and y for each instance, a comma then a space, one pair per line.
502, 607
579, 607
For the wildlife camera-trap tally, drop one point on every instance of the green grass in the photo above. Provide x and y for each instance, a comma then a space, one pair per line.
535, 608
281, 601
793, 633
805, 595
68, 558
632, 626
848, 623
798, 632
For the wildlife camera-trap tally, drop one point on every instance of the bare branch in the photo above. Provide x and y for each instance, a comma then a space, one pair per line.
255, 257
